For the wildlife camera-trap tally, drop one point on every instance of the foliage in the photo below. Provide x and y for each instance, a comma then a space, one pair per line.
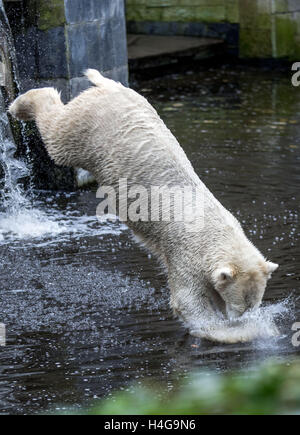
272, 389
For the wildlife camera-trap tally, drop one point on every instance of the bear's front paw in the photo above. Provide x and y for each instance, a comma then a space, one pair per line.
219, 336
237, 334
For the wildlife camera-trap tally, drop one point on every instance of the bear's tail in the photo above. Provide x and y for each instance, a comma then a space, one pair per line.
99, 80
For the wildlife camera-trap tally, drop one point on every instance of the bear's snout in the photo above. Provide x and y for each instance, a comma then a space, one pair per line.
233, 312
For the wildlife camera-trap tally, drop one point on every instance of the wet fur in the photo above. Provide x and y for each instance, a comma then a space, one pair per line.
114, 133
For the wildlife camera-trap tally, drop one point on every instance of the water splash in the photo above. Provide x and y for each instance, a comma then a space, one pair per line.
261, 325
51, 226
21, 215
16, 212
13, 170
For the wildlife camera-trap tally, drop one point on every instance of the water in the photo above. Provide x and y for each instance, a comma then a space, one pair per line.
12, 170
87, 309
20, 216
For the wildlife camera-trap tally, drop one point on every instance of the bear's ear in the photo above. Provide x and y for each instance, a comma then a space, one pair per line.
271, 267
223, 275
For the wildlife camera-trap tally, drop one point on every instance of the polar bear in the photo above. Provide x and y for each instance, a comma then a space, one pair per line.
114, 133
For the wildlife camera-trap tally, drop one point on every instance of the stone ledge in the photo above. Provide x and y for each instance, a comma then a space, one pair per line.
144, 46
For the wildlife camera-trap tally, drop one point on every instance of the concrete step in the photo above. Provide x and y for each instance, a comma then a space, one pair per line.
154, 50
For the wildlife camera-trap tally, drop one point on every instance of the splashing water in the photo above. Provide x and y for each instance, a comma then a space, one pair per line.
14, 170
16, 210
20, 218
253, 325
16, 213
20, 214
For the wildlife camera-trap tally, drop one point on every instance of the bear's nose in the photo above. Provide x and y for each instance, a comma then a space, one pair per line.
234, 312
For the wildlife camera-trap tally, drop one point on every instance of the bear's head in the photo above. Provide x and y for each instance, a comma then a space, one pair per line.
26, 106
242, 289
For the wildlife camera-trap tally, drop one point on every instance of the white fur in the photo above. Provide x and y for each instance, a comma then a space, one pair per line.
114, 133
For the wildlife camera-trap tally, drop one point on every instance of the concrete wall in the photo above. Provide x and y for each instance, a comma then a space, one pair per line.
286, 29
257, 28
270, 28
56, 40
207, 18
7, 57
183, 10
96, 36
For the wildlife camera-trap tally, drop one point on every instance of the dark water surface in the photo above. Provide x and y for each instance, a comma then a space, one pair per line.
86, 309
